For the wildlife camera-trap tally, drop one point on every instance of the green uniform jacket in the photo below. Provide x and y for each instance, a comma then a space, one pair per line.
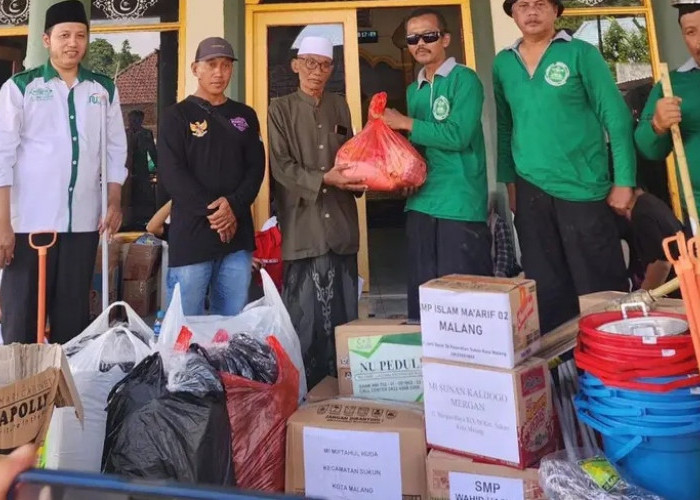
448, 132
552, 126
686, 85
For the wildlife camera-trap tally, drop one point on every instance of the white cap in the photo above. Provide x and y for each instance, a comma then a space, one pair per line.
317, 46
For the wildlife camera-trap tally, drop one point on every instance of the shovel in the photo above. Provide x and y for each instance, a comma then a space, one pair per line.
41, 302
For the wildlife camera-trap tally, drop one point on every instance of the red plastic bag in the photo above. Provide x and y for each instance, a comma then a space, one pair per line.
268, 248
383, 157
258, 414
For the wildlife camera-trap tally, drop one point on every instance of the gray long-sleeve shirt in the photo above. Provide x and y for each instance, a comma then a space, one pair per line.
305, 137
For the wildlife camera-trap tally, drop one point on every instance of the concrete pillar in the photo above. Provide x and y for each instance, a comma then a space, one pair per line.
234, 32
205, 18
671, 46
36, 53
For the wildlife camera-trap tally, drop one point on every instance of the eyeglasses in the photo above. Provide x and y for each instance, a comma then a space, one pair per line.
539, 6
430, 37
313, 64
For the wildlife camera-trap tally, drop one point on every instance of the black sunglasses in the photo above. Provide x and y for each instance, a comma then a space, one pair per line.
430, 37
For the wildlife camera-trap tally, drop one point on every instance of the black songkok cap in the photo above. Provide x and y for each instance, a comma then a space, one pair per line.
68, 11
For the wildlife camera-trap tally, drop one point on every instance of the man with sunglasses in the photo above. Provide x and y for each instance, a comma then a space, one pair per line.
556, 104
446, 218
316, 207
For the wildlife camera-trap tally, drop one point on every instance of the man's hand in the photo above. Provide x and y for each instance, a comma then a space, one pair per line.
410, 191
620, 199
7, 246
223, 217
511, 196
227, 234
667, 114
396, 120
112, 221
257, 264
335, 177
11, 466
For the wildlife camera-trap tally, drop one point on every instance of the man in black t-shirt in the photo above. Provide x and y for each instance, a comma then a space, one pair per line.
211, 164
647, 223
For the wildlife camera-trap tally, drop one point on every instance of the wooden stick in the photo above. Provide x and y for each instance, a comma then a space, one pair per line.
681, 159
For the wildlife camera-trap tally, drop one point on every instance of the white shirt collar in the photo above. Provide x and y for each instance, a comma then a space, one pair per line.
444, 70
689, 66
561, 35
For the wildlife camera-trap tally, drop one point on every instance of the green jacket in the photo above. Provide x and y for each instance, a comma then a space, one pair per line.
448, 132
552, 126
686, 85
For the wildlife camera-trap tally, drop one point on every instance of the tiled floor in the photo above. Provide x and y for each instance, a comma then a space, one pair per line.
387, 296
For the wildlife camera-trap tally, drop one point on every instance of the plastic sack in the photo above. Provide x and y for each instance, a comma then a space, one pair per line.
382, 156
258, 414
191, 372
262, 318
96, 368
245, 356
576, 474
268, 249
154, 434
101, 324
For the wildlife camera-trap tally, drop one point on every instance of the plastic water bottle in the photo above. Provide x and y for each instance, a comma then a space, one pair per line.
159, 321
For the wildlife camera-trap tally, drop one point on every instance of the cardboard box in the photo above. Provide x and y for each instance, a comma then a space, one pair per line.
380, 359
484, 321
33, 379
142, 262
503, 416
141, 295
600, 301
96, 291
114, 253
347, 448
451, 476
326, 389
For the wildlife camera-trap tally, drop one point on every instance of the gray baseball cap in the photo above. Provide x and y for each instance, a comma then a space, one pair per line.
211, 48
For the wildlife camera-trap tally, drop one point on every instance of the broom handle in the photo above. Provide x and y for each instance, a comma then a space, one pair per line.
103, 173
681, 159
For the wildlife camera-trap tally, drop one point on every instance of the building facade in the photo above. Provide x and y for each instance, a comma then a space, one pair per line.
157, 39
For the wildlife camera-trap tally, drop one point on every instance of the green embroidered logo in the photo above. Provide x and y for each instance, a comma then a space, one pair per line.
40, 94
96, 99
441, 108
557, 74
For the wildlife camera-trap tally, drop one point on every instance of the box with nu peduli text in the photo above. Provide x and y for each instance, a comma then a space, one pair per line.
379, 359
480, 320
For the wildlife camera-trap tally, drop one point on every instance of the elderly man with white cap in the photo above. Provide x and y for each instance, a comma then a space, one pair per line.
316, 205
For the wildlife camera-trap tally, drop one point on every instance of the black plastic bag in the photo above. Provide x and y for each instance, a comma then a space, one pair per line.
246, 356
153, 433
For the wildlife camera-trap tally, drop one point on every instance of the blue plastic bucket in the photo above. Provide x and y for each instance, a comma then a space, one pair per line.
664, 459
590, 383
641, 413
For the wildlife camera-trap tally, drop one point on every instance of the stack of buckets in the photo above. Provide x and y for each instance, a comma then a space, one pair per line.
641, 391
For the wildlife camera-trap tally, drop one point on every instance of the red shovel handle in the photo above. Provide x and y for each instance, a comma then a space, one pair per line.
41, 302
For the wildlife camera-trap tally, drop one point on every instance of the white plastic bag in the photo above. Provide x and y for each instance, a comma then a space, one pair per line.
262, 318
97, 367
101, 324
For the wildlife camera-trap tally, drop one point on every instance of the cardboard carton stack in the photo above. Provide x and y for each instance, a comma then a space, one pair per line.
362, 435
140, 284
113, 277
464, 383
486, 397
